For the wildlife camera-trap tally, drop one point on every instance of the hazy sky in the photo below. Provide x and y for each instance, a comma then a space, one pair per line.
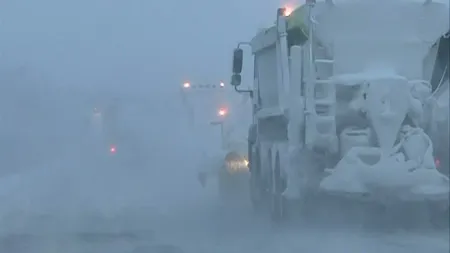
129, 42
121, 43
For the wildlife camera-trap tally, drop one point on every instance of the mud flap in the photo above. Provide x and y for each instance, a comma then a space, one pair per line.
278, 201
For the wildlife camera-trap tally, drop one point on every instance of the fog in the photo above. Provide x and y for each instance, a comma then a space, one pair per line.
128, 43
59, 60
61, 192
102, 47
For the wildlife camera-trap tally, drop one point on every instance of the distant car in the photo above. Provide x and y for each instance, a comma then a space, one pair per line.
232, 172
233, 178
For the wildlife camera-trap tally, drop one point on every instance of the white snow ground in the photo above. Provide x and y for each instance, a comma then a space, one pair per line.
85, 211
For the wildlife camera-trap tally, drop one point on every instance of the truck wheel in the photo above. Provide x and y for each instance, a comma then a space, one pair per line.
277, 201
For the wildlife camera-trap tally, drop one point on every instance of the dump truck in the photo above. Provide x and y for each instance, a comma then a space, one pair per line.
346, 105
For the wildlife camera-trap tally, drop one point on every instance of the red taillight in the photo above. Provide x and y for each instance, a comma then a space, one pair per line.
112, 149
222, 112
437, 162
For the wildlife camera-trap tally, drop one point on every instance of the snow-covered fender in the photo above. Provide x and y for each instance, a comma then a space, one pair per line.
408, 173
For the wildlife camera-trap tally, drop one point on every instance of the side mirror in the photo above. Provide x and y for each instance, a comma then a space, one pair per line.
238, 58
236, 79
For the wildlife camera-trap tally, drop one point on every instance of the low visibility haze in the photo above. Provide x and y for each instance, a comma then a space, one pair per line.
127, 43
101, 47
60, 62
62, 59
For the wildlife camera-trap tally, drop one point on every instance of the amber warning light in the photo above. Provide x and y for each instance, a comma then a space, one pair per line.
288, 10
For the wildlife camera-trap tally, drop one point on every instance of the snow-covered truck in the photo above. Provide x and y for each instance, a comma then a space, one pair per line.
341, 100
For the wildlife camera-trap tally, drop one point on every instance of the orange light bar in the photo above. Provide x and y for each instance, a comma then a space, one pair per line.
288, 10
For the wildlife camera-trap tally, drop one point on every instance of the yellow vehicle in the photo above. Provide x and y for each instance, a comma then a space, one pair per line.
232, 173
233, 177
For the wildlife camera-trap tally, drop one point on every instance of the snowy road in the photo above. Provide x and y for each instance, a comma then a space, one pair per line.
182, 218
221, 230
205, 227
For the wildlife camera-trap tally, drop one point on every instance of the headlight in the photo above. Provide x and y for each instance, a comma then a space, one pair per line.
237, 165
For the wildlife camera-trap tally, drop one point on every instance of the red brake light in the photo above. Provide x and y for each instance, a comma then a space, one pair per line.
222, 112
437, 162
112, 149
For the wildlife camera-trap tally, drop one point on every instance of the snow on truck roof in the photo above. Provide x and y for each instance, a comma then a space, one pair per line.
297, 21
298, 18
411, 1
